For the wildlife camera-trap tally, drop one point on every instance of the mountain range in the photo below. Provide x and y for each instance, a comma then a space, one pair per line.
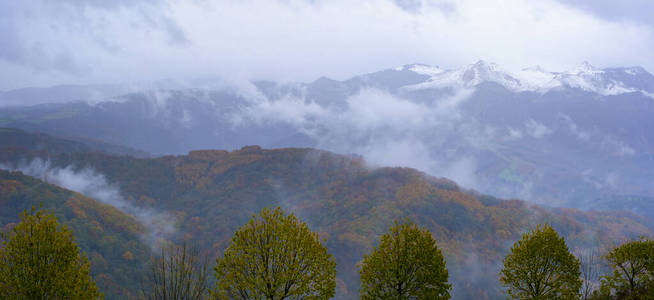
122, 208
577, 138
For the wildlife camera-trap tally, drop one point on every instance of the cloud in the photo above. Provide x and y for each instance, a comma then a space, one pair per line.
537, 130
635, 11
581, 134
514, 134
90, 41
386, 129
91, 184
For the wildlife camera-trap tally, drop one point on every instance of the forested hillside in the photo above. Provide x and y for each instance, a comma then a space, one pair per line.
21, 139
110, 238
211, 193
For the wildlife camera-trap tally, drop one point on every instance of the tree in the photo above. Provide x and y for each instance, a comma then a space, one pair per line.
40, 260
540, 266
407, 264
589, 260
180, 273
275, 256
633, 271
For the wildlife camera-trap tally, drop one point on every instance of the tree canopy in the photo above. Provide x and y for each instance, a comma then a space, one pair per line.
275, 256
633, 271
40, 260
407, 264
540, 266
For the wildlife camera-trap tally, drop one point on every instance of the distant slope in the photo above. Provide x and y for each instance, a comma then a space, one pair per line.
158, 122
35, 141
558, 138
58, 94
212, 193
109, 238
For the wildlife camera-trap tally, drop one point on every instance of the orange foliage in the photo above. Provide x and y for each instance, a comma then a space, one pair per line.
128, 256
413, 192
468, 201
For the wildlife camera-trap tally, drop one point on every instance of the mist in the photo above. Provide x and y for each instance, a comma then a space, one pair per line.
85, 42
159, 225
386, 129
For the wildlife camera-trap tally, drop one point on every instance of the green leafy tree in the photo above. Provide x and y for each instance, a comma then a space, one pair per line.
40, 260
407, 264
275, 256
633, 271
540, 266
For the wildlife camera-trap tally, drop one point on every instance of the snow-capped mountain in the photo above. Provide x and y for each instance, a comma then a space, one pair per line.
532, 134
466, 77
606, 82
591, 79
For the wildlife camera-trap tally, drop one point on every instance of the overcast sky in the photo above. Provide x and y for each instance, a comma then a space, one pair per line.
44, 42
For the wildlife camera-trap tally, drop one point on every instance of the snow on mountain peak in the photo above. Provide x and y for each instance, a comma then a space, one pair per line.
588, 78
469, 76
535, 68
424, 69
536, 78
585, 77
585, 68
633, 71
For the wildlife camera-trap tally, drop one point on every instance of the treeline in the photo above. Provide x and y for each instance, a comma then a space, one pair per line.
276, 256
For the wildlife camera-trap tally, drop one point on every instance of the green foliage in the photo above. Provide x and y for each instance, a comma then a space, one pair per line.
40, 260
275, 256
213, 193
110, 238
180, 273
540, 266
407, 264
633, 271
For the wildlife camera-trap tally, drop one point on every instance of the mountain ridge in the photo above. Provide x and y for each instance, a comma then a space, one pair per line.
211, 193
605, 81
566, 146
609, 81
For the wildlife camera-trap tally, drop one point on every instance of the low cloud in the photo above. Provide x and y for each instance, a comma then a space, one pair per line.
581, 134
159, 225
386, 129
537, 130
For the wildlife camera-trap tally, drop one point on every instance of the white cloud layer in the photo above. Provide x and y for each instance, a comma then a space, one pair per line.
84, 41
91, 184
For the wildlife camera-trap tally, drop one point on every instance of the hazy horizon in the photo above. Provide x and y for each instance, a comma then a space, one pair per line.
106, 42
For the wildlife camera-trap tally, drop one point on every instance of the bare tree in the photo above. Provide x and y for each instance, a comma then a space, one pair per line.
180, 273
590, 260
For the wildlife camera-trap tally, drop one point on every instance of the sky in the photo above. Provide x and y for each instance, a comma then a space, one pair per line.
45, 43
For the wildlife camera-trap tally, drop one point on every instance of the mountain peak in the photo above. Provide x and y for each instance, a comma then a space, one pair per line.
483, 64
423, 69
466, 77
585, 67
585, 76
535, 68
482, 71
635, 70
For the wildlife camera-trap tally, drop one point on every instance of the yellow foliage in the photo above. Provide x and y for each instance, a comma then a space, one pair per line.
128, 256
